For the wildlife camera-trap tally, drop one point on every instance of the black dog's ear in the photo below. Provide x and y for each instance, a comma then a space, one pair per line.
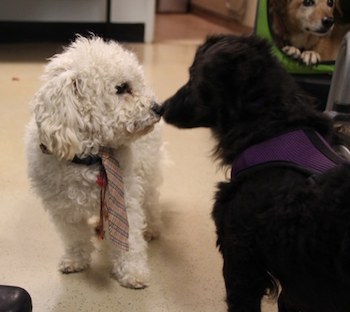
235, 63
235, 55
241, 74
228, 76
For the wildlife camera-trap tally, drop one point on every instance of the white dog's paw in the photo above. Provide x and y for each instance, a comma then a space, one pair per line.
310, 57
151, 233
70, 265
292, 51
132, 276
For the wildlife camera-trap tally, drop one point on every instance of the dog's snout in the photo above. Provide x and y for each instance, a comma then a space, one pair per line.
327, 22
158, 109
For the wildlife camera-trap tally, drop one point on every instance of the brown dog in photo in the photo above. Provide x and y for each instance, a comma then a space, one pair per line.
306, 29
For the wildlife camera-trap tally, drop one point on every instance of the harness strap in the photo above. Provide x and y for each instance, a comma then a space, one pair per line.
303, 149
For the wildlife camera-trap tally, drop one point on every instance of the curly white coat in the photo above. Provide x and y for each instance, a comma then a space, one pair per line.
84, 104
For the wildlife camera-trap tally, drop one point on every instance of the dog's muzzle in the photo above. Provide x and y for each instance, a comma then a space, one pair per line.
327, 22
157, 109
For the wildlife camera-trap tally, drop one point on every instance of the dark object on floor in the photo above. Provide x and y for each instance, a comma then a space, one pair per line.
14, 299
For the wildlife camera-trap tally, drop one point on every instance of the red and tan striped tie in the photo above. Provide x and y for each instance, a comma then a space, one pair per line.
112, 200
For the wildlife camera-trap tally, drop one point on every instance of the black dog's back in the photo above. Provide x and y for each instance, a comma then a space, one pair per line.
277, 224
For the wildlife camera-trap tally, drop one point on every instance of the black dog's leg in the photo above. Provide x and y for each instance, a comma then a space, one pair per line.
284, 305
246, 282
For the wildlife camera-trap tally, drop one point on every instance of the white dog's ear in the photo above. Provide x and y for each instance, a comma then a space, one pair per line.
56, 113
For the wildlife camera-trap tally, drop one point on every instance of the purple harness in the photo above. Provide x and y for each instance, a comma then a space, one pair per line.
304, 149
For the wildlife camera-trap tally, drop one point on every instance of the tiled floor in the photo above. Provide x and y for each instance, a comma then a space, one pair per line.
186, 267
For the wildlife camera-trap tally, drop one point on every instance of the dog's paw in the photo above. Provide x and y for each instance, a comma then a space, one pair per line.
292, 52
69, 265
134, 282
131, 276
310, 57
151, 233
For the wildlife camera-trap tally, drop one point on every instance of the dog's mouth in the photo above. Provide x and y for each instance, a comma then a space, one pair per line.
319, 32
324, 27
143, 128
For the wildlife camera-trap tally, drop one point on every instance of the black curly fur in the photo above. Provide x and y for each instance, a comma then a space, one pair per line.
273, 225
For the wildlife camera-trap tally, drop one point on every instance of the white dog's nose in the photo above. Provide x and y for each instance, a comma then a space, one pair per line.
157, 109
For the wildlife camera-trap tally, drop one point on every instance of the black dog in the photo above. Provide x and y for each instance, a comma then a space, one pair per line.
283, 220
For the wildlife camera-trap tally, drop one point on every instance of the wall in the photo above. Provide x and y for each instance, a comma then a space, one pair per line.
122, 11
53, 10
219, 7
135, 11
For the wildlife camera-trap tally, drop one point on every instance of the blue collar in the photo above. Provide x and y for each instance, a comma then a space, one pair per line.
87, 161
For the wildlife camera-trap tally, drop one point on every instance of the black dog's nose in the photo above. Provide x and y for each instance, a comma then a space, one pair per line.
158, 109
327, 22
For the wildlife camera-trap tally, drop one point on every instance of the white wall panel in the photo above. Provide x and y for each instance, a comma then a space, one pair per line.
93, 11
135, 11
53, 10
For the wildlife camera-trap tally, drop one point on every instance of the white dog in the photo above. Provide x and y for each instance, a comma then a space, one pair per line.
94, 95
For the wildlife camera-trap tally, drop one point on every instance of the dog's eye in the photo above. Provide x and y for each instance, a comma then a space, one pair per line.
123, 88
308, 2
330, 3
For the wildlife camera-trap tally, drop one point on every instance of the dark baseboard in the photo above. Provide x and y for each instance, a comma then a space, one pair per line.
65, 32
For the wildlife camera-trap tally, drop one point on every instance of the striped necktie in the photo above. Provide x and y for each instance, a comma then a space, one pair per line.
113, 207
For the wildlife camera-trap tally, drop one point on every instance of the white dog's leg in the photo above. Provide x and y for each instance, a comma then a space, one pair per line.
77, 243
153, 215
149, 169
131, 267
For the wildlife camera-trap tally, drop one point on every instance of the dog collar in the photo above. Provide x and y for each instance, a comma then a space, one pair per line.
304, 149
87, 161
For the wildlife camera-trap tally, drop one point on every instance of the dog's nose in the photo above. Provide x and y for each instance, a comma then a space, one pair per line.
327, 22
158, 109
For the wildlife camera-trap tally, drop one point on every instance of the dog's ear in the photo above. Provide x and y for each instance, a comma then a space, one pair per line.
235, 60
338, 13
278, 5
278, 13
240, 71
55, 108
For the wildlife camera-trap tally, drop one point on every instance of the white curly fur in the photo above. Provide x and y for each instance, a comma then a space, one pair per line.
75, 112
